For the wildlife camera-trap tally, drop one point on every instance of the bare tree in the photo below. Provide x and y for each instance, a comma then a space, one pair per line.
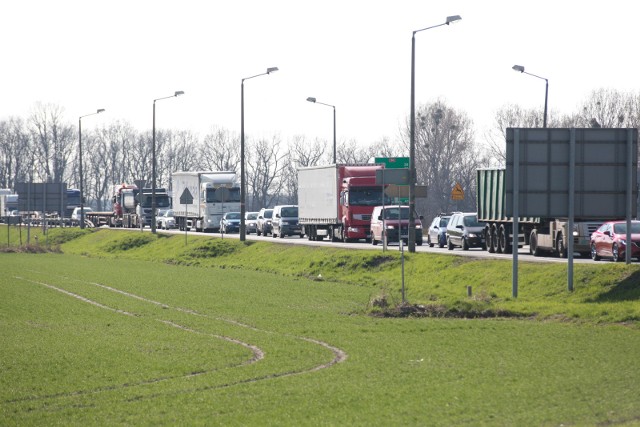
16, 157
54, 142
265, 164
350, 152
300, 155
446, 154
220, 151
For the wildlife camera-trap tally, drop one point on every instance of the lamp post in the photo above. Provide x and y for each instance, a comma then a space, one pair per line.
520, 69
243, 231
100, 110
315, 101
153, 161
412, 142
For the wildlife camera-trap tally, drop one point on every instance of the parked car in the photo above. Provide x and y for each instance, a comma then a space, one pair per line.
610, 241
464, 230
75, 215
263, 223
285, 221
165, 220
393, 222
437, 233
251, 222
230, 222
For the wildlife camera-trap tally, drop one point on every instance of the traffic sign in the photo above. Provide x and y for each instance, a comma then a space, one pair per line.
457, 193
393, 162
186, 198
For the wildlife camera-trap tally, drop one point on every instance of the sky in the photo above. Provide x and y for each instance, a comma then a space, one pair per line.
120, 55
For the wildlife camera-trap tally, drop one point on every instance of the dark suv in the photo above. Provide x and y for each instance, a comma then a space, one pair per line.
464, 230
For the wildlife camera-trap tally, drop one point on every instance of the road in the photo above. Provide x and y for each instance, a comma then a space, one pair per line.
523, 253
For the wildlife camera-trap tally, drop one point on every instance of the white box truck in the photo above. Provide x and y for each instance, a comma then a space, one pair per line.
201, 198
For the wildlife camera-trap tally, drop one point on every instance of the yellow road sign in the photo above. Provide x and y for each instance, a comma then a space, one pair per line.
457, 193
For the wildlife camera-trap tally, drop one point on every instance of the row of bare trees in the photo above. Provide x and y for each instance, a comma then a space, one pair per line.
44, 148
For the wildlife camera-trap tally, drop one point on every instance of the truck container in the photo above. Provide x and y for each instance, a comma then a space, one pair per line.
337, 200
210, 193
543, 235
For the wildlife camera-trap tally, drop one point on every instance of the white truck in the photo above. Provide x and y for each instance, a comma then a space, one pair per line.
201, 198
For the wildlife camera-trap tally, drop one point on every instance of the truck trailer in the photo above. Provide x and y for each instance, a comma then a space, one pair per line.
337, 200
132, 208
210, 194
543, 235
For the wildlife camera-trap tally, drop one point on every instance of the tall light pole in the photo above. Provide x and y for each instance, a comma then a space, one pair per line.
520, 69
153, 161
100, 110
315, 101
243, 195
412, 142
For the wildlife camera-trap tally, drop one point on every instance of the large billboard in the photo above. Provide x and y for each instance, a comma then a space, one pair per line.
597, 166
48, 197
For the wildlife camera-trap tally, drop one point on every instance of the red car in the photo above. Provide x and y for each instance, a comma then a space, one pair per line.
610, 240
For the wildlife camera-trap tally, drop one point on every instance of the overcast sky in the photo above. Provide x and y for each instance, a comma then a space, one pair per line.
355, 54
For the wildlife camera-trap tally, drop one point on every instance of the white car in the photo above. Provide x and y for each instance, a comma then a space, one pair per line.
75, 215
166, 221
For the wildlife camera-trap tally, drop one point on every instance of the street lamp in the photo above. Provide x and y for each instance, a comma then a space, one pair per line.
412, 142
153, 166
520, 69
312, 99
100, 110
243, 231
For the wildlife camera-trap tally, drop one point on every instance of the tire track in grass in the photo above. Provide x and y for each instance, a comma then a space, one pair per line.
258, 354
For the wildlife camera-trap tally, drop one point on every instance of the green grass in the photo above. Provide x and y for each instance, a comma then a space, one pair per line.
224, 333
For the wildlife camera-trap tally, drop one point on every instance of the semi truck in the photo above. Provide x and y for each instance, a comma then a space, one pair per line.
337, 201
543, 235
201, 198
132, 208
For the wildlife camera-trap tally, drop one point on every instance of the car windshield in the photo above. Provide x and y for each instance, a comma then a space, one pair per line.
168, 213
233, 215
268, 213
472, 221
622, 228
252, 216
367, 197
396, 213
289, 212
444, 222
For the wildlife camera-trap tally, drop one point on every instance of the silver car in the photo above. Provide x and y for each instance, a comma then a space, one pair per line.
251, 222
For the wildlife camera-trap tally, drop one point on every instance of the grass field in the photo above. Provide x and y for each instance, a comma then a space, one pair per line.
132, 329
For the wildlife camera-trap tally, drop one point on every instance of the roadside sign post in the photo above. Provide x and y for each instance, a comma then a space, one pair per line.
186, 198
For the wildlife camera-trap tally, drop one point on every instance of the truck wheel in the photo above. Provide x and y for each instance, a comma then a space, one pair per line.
282, 235
560, 249
505, 243
533, 245
490, 238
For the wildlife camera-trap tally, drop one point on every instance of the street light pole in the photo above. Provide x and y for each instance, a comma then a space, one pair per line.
153, 165
243, 195
315, 101
412, 141
520, 69
100, 110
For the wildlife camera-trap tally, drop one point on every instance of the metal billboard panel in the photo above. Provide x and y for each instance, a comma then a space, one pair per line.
600, 178
48, 197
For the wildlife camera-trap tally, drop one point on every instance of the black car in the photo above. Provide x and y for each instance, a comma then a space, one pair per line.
464, 230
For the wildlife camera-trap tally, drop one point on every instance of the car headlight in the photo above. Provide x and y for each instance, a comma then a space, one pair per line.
472, 235
418, 227
391, 227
